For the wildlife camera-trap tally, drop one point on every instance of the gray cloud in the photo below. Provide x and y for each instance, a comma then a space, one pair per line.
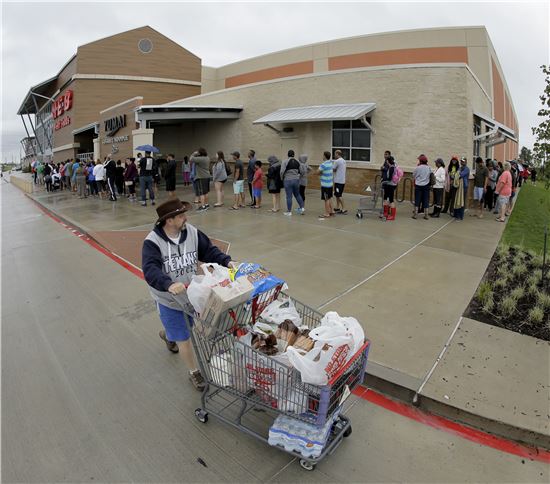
38, 38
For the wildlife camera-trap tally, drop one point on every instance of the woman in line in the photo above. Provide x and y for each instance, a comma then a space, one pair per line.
388, 189
439, 187
186, 169
461, 189
504, 190
491, 185
130, 176
421, 175
450, 189
219, 175
201, 162
274, 182
170, 175
291, 171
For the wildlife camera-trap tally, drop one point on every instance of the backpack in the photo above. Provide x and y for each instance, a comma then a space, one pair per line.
432, 178
295, 166
227, 169
397, 174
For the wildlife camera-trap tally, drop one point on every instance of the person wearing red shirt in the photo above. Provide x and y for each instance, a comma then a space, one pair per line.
257, 184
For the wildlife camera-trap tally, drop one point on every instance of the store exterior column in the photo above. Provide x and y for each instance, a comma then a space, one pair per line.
142, 137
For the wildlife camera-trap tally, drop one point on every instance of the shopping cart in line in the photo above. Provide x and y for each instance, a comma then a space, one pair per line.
369, 202
248, 390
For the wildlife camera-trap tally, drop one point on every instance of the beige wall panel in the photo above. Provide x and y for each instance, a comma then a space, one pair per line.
119, 55
66, 74
120, 149
419, 110
477, 37
320, 65
63, 155
92, 96
399, 40
480, 63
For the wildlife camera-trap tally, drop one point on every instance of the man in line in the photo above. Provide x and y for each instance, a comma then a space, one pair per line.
339, 181
146, 169
170, 256
238, 181
110, 173
325, 170
250, 175
481, 179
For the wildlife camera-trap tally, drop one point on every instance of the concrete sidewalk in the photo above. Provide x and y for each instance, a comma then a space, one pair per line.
407, 281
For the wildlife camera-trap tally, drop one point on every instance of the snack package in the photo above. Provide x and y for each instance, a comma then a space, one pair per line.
261, 279
303, 341
286, 335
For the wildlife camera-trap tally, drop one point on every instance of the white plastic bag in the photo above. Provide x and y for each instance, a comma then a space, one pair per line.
351, 327
200, 287
221, 369
279, 310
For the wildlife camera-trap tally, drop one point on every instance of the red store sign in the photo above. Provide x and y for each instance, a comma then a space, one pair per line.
63, 104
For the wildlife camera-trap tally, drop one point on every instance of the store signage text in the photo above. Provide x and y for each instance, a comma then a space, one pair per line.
63, 104
62, 122
495, 139
112, 125
116, 139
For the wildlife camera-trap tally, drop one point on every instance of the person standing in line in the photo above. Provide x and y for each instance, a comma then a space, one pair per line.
387, 171
327, 180
40, 172
257, 185
119, 178
80, 178
146, 170
238, 182
439, 187
421, 175
68, 174
219, 175
48, 176
339, 182
251, 168
91, 179
303, 178
170, 175
291, 171
110, 174
481, 180
186, 169
201, 161
130, 176
62, 175
462, 189
99, 174
504, 190
491, 185
450, 188
170, 256
34, 172
76, 164
274, 183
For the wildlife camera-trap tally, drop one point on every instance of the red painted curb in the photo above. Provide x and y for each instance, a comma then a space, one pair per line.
441, 423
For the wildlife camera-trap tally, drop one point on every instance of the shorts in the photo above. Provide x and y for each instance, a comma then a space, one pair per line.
478, 193
502, 200
389, 191
326, 193
238, 187
339, 189
176, 323
170, 184
203, 185
257, 192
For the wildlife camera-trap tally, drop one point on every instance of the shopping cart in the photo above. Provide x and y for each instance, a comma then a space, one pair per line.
369, 202
248, 390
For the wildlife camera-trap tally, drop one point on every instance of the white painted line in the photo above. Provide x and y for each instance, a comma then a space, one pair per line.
384, 268
439, 358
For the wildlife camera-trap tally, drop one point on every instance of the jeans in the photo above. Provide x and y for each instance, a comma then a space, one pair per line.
438, 197
146, 183
422, 195
292, 187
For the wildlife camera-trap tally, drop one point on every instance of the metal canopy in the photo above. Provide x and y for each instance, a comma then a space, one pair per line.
187, 112
327, 112
82, 129
29, 104
497, 128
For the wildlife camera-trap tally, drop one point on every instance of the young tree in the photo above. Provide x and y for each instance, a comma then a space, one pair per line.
525, 155
541, 147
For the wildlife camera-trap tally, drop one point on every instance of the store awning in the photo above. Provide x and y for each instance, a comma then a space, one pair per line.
499, 129
186, 112
38, 92
94, 126
327, 112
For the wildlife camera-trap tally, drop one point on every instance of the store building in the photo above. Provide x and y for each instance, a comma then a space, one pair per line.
437, 91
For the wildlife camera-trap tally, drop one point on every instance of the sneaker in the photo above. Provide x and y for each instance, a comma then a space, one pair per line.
197, 380
143, 204
171, 345
288, 214
152, 202
301, 211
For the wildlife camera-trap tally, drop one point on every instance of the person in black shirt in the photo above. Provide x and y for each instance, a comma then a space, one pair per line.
147, 167
119, 177
170, 176
110, 175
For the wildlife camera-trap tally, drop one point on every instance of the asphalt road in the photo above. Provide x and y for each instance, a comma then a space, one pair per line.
90, 394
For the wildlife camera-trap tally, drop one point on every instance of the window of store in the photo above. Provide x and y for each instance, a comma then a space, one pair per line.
477, 132
353, 139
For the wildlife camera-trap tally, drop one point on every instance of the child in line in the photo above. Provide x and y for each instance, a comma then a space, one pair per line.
257, 184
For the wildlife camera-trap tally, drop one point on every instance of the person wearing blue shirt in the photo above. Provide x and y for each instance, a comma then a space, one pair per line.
327, 178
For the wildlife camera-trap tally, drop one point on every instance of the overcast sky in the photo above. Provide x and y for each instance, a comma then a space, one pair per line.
38, 38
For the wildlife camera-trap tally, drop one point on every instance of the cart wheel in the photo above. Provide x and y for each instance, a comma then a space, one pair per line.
359, 215
347, 433
308, 466
201, 415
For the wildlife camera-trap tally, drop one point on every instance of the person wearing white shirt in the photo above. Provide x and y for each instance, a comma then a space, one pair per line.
339, 181
99, 175
438, 187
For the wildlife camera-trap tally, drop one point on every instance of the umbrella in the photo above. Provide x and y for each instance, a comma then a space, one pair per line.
150, 148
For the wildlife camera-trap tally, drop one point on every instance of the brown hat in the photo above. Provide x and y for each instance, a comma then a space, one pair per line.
171, 208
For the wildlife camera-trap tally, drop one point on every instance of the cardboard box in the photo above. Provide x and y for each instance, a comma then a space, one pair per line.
222, 297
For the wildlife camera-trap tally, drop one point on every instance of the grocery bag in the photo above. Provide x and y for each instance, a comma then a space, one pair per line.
200, 287
280, 310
